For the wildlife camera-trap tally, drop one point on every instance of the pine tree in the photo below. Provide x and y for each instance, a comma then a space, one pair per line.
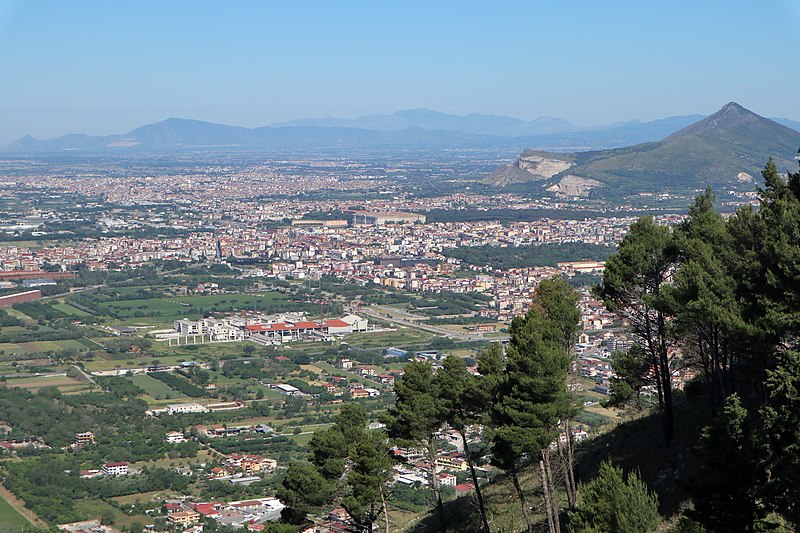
531, 400
722, 489
632, 287
612, 503
466, 401
417, 417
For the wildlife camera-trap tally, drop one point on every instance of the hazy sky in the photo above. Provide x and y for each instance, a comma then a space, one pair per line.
106, 67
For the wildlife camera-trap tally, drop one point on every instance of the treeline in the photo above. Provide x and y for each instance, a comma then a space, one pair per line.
51, 485
179, 384
505, 215
548, 254
726, 291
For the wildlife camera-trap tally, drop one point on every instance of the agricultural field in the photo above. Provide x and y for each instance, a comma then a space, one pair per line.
156, 389
62, 383
70, 310
44, 346
167, 309
400, 337
98, 508
10, 519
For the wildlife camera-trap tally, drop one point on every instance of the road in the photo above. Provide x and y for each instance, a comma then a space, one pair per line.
390, 314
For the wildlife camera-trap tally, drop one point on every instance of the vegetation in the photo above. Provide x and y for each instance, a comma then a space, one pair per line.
528, 256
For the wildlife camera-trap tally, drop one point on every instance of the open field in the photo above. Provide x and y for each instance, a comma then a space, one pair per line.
155, 388
14, 513
71, 310
157, 495
134, 362
202, 457
97, 508
10, 518
155, 310
43, 346
401, 337
35, 383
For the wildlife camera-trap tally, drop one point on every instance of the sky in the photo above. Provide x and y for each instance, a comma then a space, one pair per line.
108, 67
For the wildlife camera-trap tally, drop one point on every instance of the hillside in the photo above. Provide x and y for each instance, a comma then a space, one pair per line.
726, 148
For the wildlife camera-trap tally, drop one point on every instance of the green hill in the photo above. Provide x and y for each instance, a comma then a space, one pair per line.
726, 149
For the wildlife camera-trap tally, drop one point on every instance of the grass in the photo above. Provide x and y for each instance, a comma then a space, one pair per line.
10, 519
71, 310
155, 388
159, 310
202, 457
143, 497
92, 509
382, 339
43, 346
38, 382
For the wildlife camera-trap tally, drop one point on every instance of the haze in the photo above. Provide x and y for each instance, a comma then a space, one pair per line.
100, 67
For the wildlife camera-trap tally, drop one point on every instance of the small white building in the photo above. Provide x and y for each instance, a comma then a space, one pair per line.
174, 437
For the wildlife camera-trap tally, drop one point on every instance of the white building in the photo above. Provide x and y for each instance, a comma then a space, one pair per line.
186, 408
174, 437
119, 468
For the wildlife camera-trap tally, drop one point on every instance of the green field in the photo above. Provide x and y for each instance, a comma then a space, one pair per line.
43, 346
10, 519
174, 308
401, 337
155, 388
92, 509
71, 310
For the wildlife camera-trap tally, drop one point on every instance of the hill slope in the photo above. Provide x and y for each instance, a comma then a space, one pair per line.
726, 148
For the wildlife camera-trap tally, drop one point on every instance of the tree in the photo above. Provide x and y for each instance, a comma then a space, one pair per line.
632, 288
611, 502
722, 488
559, 301
632, 369
466, 402
416, 418
780, 447
703, 298
531, 400
353, 465
303, 489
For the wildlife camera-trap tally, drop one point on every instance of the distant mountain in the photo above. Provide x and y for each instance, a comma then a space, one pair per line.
731, 146
414, 128
426, 119
789, 123
177, 134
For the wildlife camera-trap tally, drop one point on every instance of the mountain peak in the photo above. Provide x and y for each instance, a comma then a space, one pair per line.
731, 116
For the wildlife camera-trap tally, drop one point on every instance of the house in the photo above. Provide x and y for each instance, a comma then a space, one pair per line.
84, 438
184, 518
446, 480
359, 393
174, 437
119, 468
453, 461
366, 371
219, 472
347, 364
385, 379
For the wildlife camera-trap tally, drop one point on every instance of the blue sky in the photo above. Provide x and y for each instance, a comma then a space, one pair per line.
103, 67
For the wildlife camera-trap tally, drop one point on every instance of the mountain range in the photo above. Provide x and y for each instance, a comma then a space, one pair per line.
418, 128
727, 148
